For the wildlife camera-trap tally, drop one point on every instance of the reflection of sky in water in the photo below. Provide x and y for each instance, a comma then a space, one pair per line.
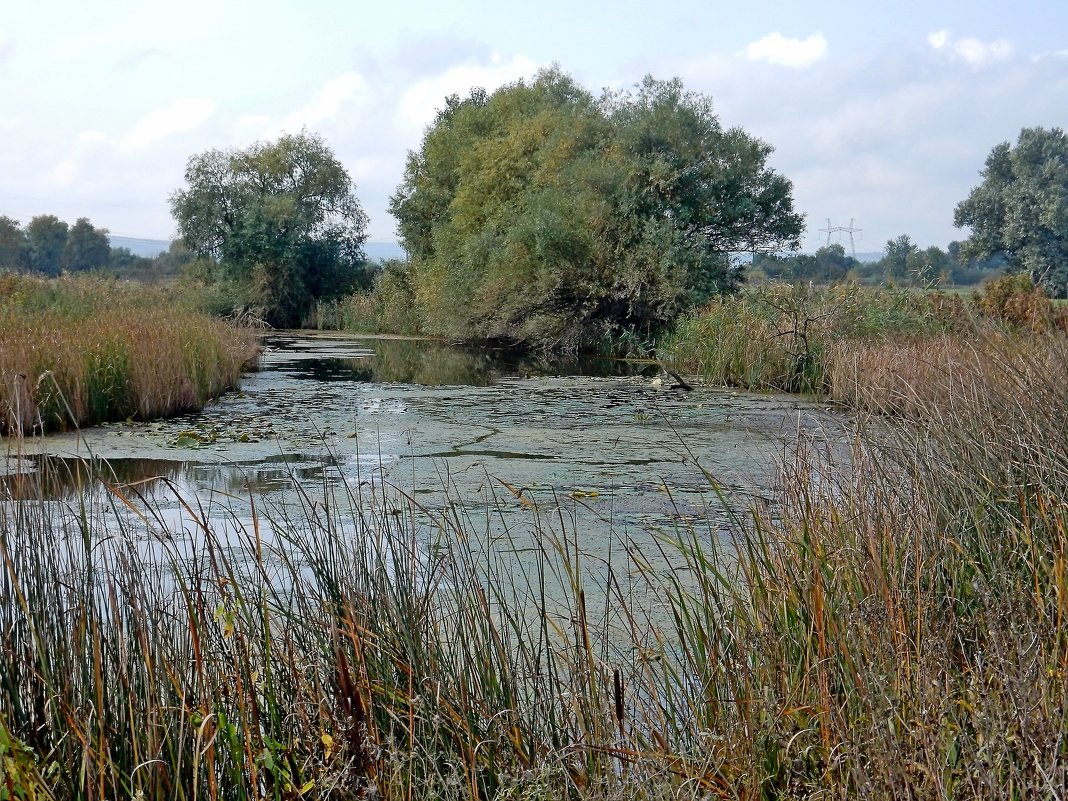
474, 436
50, 477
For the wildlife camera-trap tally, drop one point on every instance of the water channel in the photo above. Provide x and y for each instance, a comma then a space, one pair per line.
605, 447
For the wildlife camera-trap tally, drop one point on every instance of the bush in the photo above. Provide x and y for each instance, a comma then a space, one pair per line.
389, 308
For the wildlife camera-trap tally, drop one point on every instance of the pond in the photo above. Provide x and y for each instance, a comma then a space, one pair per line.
605, 447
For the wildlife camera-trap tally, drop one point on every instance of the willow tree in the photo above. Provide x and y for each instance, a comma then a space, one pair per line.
1020, 210
544, 215
280, 218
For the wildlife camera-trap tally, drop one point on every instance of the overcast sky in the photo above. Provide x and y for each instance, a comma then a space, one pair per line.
879, 112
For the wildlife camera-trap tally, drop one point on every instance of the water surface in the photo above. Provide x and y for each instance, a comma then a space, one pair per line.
615, 455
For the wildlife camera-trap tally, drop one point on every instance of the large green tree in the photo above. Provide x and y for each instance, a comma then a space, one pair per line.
279, 218
46, 236
1020, 209
544, 215
86, 248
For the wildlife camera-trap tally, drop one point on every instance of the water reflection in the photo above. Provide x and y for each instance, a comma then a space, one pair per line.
426, 363
53, 478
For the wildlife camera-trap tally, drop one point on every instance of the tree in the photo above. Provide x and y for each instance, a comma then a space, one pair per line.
280, 218
898, 255
829, 265
14, 254
46, 236
86, 248
539, 214
1021, 208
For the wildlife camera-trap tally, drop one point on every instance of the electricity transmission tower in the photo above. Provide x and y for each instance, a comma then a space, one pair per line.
836, 229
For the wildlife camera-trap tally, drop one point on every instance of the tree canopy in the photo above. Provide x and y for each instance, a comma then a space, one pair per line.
14, 250
543, 215
46, 237
1021, 208
279, 218
86, 248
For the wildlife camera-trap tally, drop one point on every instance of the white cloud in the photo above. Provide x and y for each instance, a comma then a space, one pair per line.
1057, 55
785, 52
419, 104
347, 88
69, 170
180, 116
938, 39
974, 52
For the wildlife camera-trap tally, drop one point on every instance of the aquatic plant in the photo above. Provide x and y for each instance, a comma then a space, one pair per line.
851, 343
892, 627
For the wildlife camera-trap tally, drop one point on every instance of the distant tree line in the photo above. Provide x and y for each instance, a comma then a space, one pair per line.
903, 263
49, 246
541, 214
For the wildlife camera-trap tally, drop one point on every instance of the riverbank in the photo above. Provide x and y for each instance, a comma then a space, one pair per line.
75, 352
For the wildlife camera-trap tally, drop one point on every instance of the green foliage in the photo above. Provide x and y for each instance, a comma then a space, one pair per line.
46, 238
388, 308
14, 250
86, 248
829, 265
537, 214
900, 253
1021, 208
20, 776
281, 219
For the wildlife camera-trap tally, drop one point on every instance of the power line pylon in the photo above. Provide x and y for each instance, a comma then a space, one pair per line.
836, 229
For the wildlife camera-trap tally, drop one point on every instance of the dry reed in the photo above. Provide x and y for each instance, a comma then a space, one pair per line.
75, 352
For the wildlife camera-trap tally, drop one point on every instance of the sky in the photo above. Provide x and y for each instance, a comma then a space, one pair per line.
881, 113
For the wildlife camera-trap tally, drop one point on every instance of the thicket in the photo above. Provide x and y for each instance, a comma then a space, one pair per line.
544, 216
76, 351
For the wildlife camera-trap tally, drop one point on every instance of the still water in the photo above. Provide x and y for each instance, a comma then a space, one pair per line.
601, 446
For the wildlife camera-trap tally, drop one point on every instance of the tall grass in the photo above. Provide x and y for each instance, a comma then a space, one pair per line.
805, 339
79, 351
893, 627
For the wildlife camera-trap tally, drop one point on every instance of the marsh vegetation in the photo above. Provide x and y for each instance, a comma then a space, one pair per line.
78, 351
890, 626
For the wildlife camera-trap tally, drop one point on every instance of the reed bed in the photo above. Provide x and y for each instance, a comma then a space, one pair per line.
80, 351
853, 344
890, 628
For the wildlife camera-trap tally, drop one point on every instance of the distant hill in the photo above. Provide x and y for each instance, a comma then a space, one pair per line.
150, 248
